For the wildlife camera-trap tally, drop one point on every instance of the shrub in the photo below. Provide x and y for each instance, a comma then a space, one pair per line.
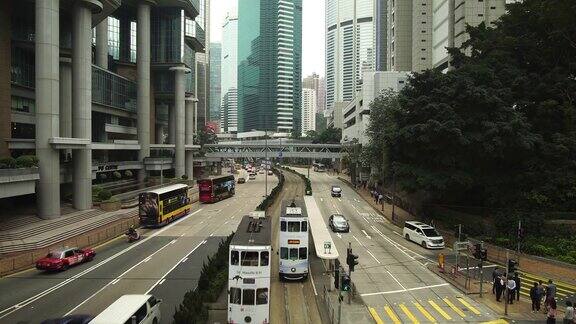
274, 193
104, 195
26, 161
184, 177
117, 175
7, 163
128, 173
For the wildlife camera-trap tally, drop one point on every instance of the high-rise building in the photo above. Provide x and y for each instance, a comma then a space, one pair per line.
308, 110
203, 68
90, 106
450, 18
229, 83
409, 35
350, 46
269, 65
314, 81
215, 75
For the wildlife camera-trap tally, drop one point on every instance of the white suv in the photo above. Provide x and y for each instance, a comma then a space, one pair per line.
423, 234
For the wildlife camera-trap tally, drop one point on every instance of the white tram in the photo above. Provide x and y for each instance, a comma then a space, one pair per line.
249, 271
293, 241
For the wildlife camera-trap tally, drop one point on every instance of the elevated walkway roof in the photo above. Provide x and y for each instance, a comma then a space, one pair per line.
319, 231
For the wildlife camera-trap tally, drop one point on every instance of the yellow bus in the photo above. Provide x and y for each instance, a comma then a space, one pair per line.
161, 206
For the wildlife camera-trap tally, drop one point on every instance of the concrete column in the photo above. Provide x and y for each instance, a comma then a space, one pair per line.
189, 132
143, 74
47, 77
66, 100
171, 124
82, 99
178, 112
102, 44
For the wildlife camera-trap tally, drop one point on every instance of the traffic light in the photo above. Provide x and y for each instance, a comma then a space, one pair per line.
512, 264
346, 282
478, 251
337, 278
484, 254
351, 260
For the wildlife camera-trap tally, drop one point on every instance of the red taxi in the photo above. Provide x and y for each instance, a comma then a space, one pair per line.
61, 259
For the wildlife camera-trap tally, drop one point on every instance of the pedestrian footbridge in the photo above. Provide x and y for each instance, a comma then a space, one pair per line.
273, 150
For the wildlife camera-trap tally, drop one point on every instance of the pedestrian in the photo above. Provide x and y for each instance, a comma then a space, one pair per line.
495, 274
550, 293
535, 297
569, 313
380, 198
517, 280
499, 282
511, 286
551, 317
542, 292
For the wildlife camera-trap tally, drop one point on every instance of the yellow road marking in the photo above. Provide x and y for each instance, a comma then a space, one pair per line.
375, 316
393, 316
498, 321
439, 310
456, 309
467, 305
409, 314
425, 312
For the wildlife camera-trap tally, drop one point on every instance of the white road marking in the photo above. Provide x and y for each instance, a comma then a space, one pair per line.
226, 222
398, 282
147, 259
339, 235
184, 260
161, 282
368, 236
211, 234
397, 233
321, 199
202, 222
340, 200
113, 282
357, 240
41, 294
372, 255
400, 247
403, 290
313, 284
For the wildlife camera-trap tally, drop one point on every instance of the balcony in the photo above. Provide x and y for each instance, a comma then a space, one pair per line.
17, 182
195, 36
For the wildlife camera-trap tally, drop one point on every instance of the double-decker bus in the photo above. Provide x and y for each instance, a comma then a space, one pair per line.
216, 188
293, 241
161, 206
249, 271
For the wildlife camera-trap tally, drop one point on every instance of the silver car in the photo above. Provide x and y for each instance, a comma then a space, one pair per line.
339, 223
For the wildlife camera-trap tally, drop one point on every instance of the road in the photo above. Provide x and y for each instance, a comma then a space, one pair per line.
391, 278
165, 262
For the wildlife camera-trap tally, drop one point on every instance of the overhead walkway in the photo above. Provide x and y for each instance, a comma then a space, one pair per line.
275, 149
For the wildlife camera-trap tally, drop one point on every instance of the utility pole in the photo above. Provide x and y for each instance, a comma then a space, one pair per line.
458, 251
309, 168
519, 238
339, 296
481, 271
506, 284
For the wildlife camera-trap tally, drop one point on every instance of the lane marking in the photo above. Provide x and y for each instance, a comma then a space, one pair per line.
313, 284
357, 240
409, 314
454, 308
161, 282
368, 236
113, 282
397, 281
41, 294
339, 235
440, 310
392, 315
403, 290
184, 260
321, 199
397, 233
425, 312
147, 259
375, 316
467, 305
373, 256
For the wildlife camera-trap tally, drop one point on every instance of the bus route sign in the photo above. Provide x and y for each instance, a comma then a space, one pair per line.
327, 247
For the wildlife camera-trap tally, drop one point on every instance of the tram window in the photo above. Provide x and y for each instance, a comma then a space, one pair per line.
294, 254
293, 226
284, 253
304, 226
249, 259
234, 258
264, 258
303, 253
262, 296
283, 226
235, 295
248, 297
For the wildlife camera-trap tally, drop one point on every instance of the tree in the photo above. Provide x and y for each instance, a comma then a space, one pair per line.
206, 136
329, 135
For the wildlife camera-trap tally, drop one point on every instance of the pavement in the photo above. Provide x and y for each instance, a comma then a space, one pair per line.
166, 262
392, 280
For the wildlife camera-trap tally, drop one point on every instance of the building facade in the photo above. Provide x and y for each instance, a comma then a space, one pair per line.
203, 68
314, 81
308, 110
215, 75
269, 65
229, 84
93, 89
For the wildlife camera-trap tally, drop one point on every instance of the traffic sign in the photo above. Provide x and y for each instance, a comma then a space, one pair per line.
280, 154
327, 247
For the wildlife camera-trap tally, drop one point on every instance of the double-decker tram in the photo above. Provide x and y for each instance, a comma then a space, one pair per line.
161, 206
213, 189
293, 241
249, 271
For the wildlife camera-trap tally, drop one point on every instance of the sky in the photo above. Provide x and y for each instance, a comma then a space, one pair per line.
313, 41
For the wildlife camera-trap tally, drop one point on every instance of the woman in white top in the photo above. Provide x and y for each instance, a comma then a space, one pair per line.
569, 313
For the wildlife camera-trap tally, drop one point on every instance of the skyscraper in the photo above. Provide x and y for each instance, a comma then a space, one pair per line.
229, 83
314, 81
203, 68
308, 110
269, 65
215, 70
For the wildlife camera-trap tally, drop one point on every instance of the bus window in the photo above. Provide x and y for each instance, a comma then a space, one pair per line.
234, 258
248, 297
282, 226
284, 253
262, 296
249, 259
294, 254
264, 258
303, 253
235, 295
304, 226
293, 226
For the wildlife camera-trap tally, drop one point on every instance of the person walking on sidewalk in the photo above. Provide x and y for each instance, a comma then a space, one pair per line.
550, 293
511, 285
499, 283
551, 318
535, 296
542, 292
517, 280
495, 274
569, 313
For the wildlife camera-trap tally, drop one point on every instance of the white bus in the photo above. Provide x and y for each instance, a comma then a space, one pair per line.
249, 271
293, 241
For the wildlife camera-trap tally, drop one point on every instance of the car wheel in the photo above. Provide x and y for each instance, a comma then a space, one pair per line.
407, 237
423, 244
64, 267
155, 321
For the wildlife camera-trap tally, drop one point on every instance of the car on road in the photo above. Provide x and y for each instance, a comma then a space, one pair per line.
270, 172
141, 309
252, 176
336, 191
261, 171
423, 234
62, 259
338, 223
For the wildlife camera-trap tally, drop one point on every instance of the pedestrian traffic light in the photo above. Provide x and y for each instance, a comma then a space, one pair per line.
484, 254
478, 251
351, 260
512, 266
346, 282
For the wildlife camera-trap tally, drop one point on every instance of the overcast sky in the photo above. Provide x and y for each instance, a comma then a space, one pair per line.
312, 31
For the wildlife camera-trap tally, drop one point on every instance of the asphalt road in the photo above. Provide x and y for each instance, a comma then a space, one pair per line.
165, 262
392, 277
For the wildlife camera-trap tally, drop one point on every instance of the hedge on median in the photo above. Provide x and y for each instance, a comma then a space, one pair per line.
268, 201
304, 178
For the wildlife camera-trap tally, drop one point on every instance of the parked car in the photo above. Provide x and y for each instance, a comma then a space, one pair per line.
336, 191
62, 259
423, 234
339, 223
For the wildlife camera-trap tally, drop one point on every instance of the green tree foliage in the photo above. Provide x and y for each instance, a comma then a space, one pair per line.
206, 136
329, 135
320, 122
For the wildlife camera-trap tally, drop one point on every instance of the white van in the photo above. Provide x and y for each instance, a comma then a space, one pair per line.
423, 234
131, 309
